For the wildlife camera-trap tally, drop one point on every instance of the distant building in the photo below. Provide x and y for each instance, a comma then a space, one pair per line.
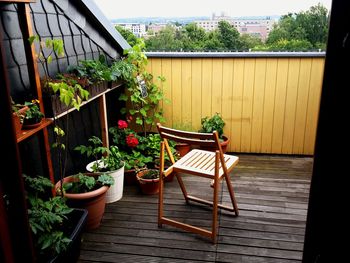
137, 29
155, 28
259, 27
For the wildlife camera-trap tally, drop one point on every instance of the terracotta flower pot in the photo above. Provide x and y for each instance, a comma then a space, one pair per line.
182, 148
130, 177
148, 186
223, 144
93, 201
167, 164
17, 119
32, 126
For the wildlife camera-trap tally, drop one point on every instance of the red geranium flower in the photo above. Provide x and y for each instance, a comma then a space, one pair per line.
132, 141
122, 124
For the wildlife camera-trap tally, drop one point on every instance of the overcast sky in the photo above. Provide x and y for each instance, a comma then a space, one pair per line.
185, 8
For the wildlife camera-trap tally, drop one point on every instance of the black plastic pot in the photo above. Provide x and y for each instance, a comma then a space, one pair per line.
77, 220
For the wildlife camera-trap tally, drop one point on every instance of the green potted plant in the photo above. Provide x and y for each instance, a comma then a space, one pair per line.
56, 228
97, 72
215, 123
106, 160
134, 161
86, 191
148, 180
151, 147
33, 115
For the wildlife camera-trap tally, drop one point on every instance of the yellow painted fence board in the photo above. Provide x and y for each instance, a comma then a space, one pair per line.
269, 105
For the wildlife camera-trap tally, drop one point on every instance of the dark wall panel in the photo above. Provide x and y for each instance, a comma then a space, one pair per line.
65, 20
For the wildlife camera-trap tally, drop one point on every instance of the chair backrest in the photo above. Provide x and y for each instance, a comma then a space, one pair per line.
193, 138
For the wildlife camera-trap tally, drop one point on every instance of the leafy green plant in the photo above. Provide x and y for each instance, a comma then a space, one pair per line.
143, 93
151, 147
135, 160
84, 183
95, 71
113, 160
47, 217
47, 49
33, 114
122, 69
151, 174
70, 95
214, 123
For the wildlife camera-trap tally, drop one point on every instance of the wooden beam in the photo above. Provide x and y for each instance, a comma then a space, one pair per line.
103, 120
34, 76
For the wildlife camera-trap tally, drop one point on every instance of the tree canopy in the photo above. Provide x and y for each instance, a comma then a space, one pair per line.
303, 31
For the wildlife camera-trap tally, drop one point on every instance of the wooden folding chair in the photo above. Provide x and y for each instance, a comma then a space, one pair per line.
212, 165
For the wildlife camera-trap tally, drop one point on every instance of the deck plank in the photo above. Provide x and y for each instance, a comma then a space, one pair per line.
272, 194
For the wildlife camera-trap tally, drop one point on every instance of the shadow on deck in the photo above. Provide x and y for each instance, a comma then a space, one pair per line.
272, 195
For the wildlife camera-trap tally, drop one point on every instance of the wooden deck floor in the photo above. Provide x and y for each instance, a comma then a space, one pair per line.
272, 194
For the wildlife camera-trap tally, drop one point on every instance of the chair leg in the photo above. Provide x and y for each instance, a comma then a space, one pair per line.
161, 185
232, 195
215, 199
182, 187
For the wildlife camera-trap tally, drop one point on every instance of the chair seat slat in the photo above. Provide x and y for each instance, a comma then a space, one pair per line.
205, 163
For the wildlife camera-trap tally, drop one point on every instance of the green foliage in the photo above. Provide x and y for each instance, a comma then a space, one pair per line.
249, 41
122, 69
59, 134
46, 217
135, 160
214, 123
307, 27
304, 30
229, 36
69, 95
127, 34
167, 39
47, 49
95, 71
84, 183
113, 160
33, 114
151, 174
143, 99
150, 146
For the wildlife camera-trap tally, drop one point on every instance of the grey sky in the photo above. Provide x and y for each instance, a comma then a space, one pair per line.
184, 8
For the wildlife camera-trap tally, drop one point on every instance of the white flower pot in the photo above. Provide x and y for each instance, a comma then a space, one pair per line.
115, 192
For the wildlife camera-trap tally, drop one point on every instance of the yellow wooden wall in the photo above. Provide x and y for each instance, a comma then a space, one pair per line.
270, 105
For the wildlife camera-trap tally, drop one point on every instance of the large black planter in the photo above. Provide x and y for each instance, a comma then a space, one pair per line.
77, 220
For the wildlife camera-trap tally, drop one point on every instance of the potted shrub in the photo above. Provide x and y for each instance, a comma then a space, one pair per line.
111, 164
33, 115
215, 123
148, 180
56, 228
86, 191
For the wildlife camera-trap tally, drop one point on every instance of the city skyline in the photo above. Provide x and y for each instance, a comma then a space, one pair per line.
156, 8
